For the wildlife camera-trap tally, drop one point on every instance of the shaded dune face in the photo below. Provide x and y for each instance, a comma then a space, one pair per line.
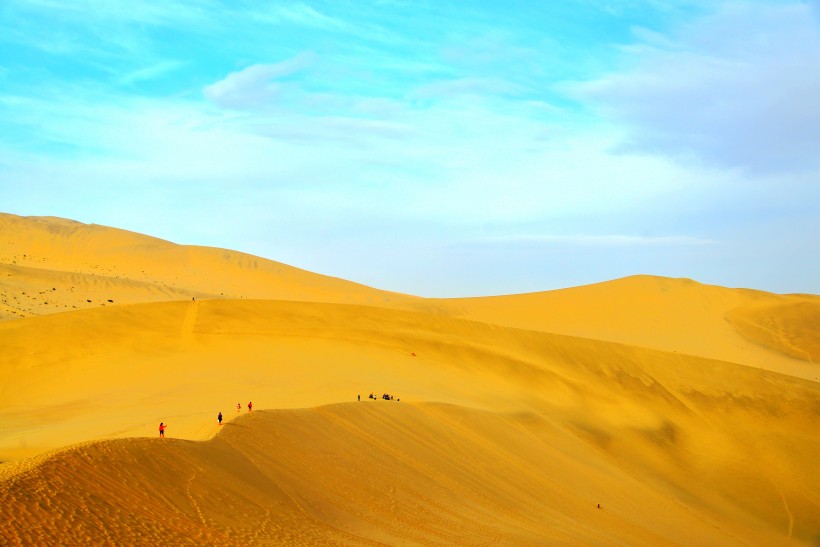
788, 328
689, 412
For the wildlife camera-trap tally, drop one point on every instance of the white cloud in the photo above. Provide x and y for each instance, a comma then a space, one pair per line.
467, 86
617, 240
151, 72
145, 12
255, 85
738, 89
303, 14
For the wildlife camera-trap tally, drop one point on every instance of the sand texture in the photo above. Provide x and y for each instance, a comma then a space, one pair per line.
688, 412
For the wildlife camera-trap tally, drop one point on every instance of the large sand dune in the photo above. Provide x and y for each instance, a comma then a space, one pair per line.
50, 265
764, 330
364, 473
689, 412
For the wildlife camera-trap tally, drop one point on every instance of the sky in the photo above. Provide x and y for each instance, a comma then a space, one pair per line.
433, 148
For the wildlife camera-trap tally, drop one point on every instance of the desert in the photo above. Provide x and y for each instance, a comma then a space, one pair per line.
393, 272
642, 410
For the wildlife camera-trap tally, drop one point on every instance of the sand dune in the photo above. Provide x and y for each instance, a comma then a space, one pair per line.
361, 473
373, 472
50, 265
678, 315
689, 412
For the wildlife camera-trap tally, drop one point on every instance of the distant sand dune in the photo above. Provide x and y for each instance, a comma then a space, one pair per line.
678, 315
689, 412
61, 265
788, 328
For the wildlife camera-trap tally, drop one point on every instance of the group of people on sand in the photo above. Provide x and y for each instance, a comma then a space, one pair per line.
385, 396
163, 425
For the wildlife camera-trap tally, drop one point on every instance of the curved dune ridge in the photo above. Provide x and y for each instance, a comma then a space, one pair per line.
688, 412
50, 265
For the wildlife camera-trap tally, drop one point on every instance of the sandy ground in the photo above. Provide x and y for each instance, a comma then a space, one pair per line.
688, 412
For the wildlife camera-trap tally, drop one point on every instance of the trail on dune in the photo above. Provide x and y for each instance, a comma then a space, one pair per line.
786, 507
189, 322
194, 504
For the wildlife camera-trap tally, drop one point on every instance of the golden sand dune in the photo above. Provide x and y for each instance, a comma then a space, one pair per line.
354, 474
52, 265
678, 315
789, 328
659, 399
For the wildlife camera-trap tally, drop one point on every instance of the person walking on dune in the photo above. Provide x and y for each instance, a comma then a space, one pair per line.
162, 427
219, 418
238, 407
250, 406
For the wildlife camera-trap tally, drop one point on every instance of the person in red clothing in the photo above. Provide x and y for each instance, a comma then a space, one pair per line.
162, 427
238, 407
250, 407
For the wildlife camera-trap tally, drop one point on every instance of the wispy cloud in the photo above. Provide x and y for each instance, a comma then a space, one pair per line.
151, 72
616, 240
255, 85
450, 89
738, 89
301, 14
170, 12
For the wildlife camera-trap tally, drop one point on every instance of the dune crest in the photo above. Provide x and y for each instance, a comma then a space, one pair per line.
678, 315
50, 265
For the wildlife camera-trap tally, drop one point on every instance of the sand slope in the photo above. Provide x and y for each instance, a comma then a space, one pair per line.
353, 474
689, 412
678, 315
728, 441
50, 265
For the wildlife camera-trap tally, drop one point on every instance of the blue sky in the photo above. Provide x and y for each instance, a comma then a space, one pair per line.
433, 148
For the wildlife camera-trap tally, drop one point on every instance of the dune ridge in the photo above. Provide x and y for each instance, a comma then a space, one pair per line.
678, 315
688, 411
51, 265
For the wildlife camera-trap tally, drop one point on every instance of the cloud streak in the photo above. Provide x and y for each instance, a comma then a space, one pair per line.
738, 89
613, 240
256, 85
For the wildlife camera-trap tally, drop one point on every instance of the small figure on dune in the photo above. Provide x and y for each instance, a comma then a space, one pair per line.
238, 407
358, 397
162, 427
219, 418
250, 406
